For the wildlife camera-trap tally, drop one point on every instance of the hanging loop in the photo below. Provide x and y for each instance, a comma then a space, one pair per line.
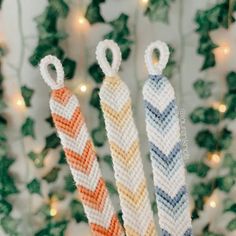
156, 69
108, 70
52, 83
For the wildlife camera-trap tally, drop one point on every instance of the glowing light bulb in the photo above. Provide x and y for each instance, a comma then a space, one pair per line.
225, 50
212, 204
53, 211
81, 20
20, 102
214, 158
83, 88
144, 2
222, 108
222, 52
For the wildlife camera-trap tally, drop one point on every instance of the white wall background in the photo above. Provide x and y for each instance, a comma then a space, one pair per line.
133, 72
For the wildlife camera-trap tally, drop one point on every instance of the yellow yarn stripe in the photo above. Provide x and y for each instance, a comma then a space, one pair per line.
124, 144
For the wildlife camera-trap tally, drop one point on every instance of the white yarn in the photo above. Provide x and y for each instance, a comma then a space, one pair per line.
156, 69
43, 66
108, 70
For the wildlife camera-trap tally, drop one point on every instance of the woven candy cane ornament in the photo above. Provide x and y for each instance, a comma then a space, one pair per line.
124, 145
162, 125
80, 153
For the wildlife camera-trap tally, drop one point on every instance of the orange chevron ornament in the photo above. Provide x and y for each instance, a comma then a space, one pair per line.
80, 154
124, 144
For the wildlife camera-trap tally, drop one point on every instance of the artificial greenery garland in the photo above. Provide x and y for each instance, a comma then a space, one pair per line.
8, 186
218, 141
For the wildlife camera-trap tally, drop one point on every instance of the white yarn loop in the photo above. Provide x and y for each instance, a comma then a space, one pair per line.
52, 83
156, 69
108, 70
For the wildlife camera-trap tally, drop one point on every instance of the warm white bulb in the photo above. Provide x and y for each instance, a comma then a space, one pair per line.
20, 102
225, 50
212, 204
215, 158
53, 211
83, 88
144, 2
81, 20
222, 108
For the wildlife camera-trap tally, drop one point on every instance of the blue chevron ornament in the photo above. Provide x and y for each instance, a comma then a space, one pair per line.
163, 131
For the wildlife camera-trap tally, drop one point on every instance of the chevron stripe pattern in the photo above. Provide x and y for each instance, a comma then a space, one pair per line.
124, 145
162, 125
81, 158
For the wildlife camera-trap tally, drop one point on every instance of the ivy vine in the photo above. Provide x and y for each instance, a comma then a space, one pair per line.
7, 181
219, 139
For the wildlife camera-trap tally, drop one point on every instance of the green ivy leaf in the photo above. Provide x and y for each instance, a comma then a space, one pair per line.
230, 102
60, 7
52, 175
229, 205
69, 66
206, 139
10, 225
108, 160
49, 120
27, 129
98, 136
62, 159
7, 186
52, 141
198, 168
95, 99
34, 186
158, 10
7, 182
203, 88
197, 115
53, 229
206, 232
229, 161
171, 65
5, 208
154, 207
47, 24
225, 183
208, 116
43, 50
38, 158
111, 188
231, 81
225, 139
96, 73
77, 211
232, 225
27, 94
209, 61
93, 14
69, 184
120, 25
201, 190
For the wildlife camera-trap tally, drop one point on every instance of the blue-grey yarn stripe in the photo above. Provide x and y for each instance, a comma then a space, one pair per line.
162, 125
